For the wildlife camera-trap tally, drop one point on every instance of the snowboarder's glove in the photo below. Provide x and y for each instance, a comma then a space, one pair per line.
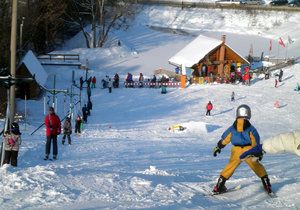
216, 150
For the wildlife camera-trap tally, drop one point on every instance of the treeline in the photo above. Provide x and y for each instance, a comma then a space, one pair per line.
48, 23
43, 23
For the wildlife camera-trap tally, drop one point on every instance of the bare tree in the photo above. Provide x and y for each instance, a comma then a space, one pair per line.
103, 15
4, 35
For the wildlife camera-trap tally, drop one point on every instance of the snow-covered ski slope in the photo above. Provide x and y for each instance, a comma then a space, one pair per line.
126, 158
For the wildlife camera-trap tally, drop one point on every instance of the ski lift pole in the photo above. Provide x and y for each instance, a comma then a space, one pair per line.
6, 126
71, 102
25, 110
53, 95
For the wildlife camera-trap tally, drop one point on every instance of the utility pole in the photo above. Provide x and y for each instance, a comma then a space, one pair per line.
21, 38
13, 49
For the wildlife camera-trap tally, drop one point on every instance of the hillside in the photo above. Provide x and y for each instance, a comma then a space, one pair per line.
126, 158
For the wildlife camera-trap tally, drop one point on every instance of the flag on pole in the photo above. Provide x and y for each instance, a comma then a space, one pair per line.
270, 47
290, 40
251, 51
280, 42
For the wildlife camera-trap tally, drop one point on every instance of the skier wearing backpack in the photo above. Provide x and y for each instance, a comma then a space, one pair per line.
67, 129
244, 137
12, 142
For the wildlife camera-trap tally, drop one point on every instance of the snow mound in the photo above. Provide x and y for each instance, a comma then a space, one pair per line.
154, 171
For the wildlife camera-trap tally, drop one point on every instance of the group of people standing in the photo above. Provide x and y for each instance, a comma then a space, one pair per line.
232, 72
91, 82
53, 122
108, 83
53, 129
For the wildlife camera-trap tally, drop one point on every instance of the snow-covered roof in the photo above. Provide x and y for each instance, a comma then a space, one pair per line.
35, 68
196, 51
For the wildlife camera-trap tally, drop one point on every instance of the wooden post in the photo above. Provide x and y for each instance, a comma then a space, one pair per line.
222, 57
183, 76
13, 49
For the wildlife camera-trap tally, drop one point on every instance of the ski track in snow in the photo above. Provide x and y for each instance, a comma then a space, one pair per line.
126, 158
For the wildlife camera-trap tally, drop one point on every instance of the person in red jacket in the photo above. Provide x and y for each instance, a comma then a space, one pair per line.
53, 128
209, 107
94, 82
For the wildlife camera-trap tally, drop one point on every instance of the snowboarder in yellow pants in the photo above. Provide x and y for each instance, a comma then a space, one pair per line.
244, 137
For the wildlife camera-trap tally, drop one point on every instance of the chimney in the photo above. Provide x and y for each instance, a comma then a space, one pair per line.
223, 38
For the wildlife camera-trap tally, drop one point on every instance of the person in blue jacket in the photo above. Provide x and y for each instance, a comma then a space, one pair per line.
244, 137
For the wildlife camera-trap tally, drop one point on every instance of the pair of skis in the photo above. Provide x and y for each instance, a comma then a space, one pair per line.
270, 194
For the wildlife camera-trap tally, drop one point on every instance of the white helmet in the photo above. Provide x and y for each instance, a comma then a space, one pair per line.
243, 111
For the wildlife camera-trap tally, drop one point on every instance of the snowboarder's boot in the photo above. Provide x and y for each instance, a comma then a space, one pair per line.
220, 187
54, 157
46, 157
266, 183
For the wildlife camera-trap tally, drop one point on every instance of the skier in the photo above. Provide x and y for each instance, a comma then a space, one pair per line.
244, 137
84, 113
53, 128
67, 130
93, 82
209, 107
110, 84
297, 88
89, 107
163, 89
88, 92
116, 81
78, 124
12, 142
88, 82
276, 105
232, 96
153, 81
129, 80
141, 80
276, 82
81, 82
280, 75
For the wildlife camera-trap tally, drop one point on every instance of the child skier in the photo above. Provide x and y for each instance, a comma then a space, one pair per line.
67, 129
232, 96
110, 84
244, 137
209, 107
78, 124
94, 80
12, 142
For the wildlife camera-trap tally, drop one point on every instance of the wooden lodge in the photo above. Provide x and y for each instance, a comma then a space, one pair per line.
210, 59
